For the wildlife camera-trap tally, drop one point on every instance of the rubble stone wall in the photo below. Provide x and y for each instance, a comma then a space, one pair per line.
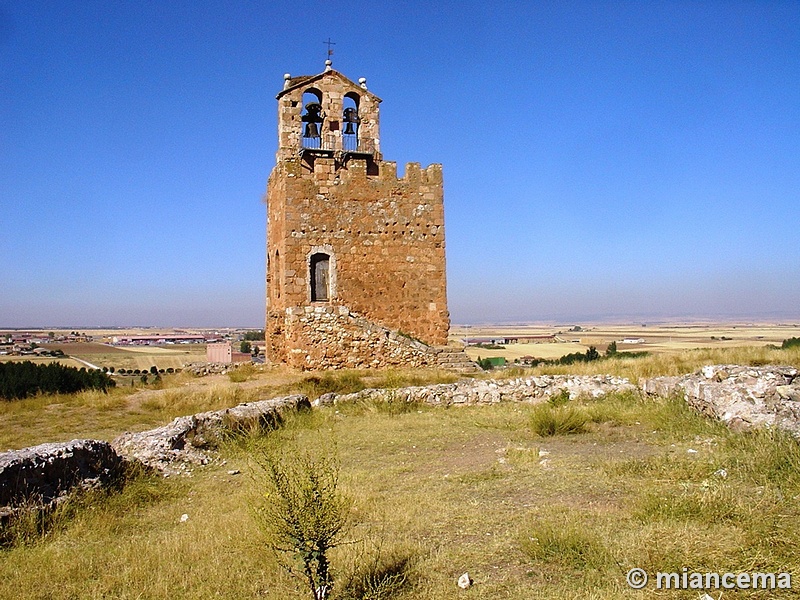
43, 474
326, 337
740, 396
523, 389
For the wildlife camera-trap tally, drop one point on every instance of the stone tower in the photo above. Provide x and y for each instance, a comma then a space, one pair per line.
355, 255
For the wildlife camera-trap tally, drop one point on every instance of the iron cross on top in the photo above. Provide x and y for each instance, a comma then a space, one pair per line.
329, 43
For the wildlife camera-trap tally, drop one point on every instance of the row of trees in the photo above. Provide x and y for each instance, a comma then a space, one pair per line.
790, 343
23, 379
590, 355
254, 336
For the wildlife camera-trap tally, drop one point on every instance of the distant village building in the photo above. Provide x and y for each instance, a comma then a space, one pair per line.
355, 254
506, 340
157, 340
222, 352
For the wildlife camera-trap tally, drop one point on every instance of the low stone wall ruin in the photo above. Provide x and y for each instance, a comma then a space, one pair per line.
521, 389
740, 396
43, 474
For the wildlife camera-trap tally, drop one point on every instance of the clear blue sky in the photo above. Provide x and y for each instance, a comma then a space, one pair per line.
614, 160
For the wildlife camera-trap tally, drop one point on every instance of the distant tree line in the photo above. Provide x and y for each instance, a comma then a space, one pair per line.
790, 343
590, 355
23, 379
254, 336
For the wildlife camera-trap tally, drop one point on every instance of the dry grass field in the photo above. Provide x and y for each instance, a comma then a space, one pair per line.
122, 357
438, 492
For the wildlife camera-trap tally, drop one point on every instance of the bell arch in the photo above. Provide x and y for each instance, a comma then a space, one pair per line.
350, 121
312, 118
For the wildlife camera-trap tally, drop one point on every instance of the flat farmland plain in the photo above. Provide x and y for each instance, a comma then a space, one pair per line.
121, 357
653, 338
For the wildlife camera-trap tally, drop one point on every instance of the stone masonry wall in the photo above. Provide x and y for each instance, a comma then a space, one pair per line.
385, 237
384, 234
326, 337
41, 476
521, 389
740, 396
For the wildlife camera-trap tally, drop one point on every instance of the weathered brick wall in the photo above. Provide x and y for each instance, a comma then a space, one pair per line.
384, 234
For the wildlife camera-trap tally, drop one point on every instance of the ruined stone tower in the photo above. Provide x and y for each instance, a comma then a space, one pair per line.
355, 255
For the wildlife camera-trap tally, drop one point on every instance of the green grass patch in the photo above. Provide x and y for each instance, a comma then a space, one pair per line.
564, 541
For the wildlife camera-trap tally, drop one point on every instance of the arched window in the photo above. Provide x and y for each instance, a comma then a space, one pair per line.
320, 277
312, 118
351, 121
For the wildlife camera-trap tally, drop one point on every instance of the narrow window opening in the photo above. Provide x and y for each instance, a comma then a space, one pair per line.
320, 277
277, 270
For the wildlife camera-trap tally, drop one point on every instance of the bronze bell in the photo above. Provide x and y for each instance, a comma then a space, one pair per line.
350, 117
312, 130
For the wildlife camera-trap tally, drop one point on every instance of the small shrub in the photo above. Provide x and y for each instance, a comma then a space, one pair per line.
485, 364
304, 513
547, 420
559, 399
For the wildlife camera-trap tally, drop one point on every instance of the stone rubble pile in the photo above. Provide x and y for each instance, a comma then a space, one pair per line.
740, 396
201, 369
333, 337
455, 359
